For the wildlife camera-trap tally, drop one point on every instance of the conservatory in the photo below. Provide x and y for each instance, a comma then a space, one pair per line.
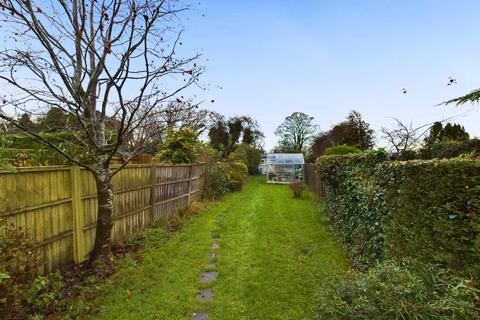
284, 167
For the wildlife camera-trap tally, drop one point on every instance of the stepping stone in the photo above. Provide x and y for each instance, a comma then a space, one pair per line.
212, 255
200, 316
208, 276
215, 245
205, 295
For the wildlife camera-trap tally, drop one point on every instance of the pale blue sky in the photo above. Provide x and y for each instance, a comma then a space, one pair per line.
326, 58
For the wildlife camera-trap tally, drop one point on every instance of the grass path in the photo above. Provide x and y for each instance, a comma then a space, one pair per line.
275, 255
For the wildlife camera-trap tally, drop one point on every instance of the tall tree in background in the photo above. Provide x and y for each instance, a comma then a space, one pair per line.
354, 131
94, 60
25, 120
450, 132
296, 132
226, 135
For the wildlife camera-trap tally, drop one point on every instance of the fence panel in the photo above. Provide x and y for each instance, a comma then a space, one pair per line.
57, 205
313, 180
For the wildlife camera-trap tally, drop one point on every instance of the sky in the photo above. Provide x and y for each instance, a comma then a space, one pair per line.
268, 59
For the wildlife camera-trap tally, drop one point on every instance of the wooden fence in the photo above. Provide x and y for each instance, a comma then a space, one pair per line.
313, 180
57, 205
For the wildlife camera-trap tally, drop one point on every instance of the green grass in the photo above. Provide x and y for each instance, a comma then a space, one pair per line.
276, 255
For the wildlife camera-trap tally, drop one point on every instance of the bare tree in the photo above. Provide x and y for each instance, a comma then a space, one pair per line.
175, 115
185, 114
96, 61
404, 137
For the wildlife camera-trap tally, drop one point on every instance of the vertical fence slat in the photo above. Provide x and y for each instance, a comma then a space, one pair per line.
153, 191
313, 180
190, 177
77, 215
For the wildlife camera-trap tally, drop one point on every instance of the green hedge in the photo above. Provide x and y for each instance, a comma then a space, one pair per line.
352, 204
433, 212
23, 150
450, 149
342, 150
427, 210
400, 290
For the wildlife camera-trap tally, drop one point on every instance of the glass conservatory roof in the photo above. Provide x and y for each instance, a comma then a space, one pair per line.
285, 158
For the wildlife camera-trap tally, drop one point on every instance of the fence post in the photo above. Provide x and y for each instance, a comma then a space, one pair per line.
190, 177
153, 191
79, 249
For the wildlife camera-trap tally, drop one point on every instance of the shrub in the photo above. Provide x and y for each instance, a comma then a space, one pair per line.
180, 147
18, 258
206, 153
341, 150
236, 181
216, 182
297, 188
248, 155
190, 210
222, 177
396, 290
19, 265
239, 167
44, 293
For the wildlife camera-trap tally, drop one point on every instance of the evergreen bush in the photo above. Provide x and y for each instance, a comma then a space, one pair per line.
427, 210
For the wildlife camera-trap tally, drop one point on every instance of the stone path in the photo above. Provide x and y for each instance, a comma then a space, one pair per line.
208, 277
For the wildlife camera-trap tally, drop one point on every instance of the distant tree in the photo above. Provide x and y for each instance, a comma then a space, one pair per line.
186, 114
25, 121
249, 136
320, 143
55, 119
450, 132
225, 135
354, 131
296, 132
403, 138
218, 135
249, 155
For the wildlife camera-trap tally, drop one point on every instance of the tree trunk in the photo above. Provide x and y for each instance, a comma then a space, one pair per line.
102, 247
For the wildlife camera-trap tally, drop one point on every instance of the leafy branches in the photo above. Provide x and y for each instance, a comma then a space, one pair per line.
296, 132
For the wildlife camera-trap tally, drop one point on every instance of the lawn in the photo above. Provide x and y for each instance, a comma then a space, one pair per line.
276, 254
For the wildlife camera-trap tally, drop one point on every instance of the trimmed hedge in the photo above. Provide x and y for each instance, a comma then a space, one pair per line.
342, 150
352, 204
427, 210
433, 212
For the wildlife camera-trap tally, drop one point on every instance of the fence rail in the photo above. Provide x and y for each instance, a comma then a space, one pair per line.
313, 180
57, 205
